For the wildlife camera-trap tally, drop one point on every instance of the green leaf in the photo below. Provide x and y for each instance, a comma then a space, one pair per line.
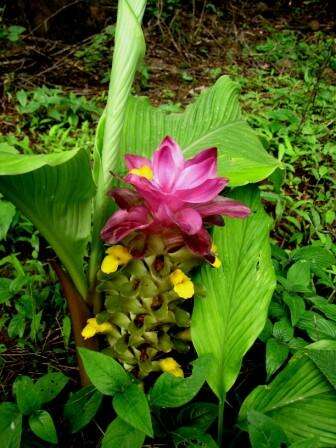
7, 213
50, 385
105, 373
26, 394
10, 425
120, 434
132, 406
16, 326
300, 400
54, 191
229, 319
200, 415
323, 354
192, 437
263, 432
276, 355
43, 426
214, 119
322, 304
172, 392
298, 276
317, 326
81, 407
5, 290
283, 331
296, 306
318, 257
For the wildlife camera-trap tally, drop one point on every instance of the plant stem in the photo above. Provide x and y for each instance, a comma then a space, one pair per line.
221, 405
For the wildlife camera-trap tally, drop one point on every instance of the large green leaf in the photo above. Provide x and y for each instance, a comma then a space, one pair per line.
229, 319
214, 119
300, 400
54, 191
10, 425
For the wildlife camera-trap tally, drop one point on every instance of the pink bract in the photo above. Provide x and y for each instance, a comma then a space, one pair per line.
182, 194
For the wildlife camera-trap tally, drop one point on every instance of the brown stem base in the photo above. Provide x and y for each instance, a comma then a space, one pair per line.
79, 313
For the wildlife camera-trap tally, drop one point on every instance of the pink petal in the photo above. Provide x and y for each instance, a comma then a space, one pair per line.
204, 192
123, 222
133, 161
223, 206
145, 189
210, 153
125, 198
200, 243
168, 161
188, 220
196, 173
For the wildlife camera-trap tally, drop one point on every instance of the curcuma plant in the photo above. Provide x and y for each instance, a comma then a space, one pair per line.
137, 244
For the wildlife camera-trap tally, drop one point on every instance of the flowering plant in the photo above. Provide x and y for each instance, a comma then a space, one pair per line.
169, 222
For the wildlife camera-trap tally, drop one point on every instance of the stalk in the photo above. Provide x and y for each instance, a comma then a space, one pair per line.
221, 406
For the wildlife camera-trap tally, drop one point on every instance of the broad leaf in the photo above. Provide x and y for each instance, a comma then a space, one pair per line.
300, 400
81, 407
263, 432
43, 426
10, 425
276, 354
105, 373
54, 191
26, 394
192, 437
200, 415
120, 434
229, 319
50, 385
323, 354
132, 406
7, 212
213, 120
171, 392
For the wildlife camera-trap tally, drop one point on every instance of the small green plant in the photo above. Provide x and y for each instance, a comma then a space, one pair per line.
28, 409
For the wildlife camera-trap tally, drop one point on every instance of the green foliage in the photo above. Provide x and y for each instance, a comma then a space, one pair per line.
11, 33
131, 405
10, 425
233, 314
119, 433
43, 106
169, 391
241, 156
7, 213
105, 373
30, 397
300, 400
81, 407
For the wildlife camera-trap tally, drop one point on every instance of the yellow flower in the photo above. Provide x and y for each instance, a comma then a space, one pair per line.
93, 327
116, 256
169, 365
183, 286
145, 171
217, 263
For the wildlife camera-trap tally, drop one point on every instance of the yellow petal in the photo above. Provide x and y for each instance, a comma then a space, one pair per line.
178, 276
105, 327
88, 331
217, 263
120, 253
169, 365
185, 290
110, 264
144, 171
177, 372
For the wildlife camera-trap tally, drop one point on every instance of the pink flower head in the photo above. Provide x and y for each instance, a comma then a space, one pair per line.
171, 192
